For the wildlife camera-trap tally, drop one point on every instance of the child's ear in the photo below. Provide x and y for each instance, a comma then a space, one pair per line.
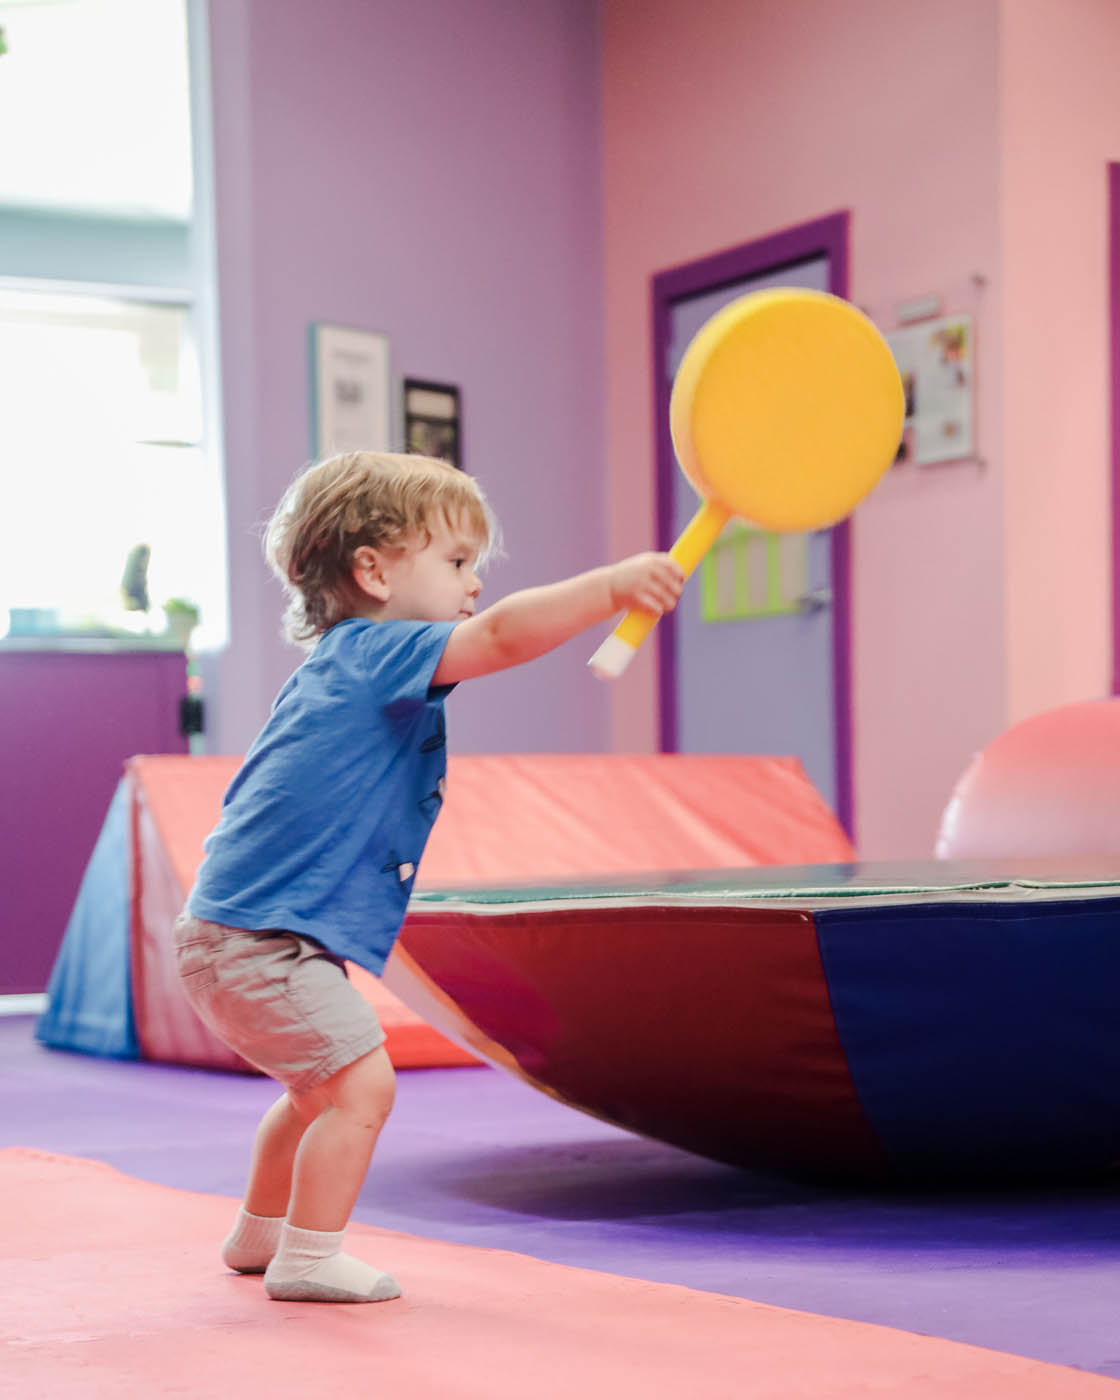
368, 572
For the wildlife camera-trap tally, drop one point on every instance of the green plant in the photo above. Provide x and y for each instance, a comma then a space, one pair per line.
182, 608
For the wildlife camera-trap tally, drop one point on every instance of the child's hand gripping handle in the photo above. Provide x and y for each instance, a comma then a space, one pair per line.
695, 540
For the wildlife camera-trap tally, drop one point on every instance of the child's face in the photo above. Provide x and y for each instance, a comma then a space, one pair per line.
433, 581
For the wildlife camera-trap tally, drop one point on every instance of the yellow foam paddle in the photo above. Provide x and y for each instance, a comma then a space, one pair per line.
786, 410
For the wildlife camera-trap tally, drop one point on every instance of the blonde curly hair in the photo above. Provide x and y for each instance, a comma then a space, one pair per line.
383, 499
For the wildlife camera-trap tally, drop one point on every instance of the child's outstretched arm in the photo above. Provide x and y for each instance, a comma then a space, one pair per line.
529, 623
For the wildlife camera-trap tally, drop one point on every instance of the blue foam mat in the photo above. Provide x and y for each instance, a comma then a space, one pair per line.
89, 996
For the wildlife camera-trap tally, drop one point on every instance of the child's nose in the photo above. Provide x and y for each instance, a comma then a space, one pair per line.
475, 586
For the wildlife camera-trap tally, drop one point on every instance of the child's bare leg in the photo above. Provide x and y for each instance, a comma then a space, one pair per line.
274, 1152
253, 1241
331, 1162
256, 1233
334, 1151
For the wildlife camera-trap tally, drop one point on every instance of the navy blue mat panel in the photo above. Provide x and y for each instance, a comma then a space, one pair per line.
982, 1038
89, 996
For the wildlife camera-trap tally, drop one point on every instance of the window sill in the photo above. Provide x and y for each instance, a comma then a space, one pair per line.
75, 642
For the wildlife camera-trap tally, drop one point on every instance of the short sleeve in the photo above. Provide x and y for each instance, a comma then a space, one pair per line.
400, 659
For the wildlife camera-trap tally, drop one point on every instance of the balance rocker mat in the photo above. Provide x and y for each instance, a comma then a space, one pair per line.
870, 1022
505, 817
120, 1296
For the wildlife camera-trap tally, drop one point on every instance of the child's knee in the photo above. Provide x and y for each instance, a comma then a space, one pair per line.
367, 1086
307, 1106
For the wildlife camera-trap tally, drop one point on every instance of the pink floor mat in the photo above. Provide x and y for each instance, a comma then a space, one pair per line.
112, 1288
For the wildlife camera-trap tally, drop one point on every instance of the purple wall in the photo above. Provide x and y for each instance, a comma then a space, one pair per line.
428, 169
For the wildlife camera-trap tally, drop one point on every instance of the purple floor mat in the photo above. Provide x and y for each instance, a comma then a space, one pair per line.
475, 1157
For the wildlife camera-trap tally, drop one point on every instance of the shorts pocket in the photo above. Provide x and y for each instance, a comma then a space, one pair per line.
184, 950
197, 981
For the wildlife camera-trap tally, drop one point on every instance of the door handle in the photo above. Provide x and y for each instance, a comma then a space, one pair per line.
815, 599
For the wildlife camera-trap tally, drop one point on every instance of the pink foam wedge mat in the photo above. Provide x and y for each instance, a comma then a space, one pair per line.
174, 803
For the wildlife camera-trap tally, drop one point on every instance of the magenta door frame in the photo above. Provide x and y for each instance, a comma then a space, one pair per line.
825, 237
1114, 336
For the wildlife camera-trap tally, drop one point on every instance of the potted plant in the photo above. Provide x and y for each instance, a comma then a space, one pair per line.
182, 618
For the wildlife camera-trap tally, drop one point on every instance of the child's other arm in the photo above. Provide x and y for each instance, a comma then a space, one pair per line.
529, 623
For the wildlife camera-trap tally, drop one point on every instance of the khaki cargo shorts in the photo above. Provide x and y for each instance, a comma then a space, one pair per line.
281, 1001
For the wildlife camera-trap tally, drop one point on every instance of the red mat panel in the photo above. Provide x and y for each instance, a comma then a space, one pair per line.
708, 1028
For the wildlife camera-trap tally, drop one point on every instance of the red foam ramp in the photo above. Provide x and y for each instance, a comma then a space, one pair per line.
118, 1295
511, 817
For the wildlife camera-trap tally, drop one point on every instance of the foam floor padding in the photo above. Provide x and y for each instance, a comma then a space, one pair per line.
111, 1287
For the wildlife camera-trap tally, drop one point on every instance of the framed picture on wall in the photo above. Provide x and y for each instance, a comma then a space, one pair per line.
433, 423
350, 395
936, 361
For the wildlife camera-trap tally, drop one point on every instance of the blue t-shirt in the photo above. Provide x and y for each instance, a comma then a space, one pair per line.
323, 825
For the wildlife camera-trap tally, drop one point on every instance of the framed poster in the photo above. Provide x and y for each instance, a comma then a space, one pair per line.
350, 404
433, 423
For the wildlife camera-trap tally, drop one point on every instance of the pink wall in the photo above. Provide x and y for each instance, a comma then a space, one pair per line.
724, 122
1061, 119
431, 170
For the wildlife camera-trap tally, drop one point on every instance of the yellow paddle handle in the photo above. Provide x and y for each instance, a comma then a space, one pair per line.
695, 540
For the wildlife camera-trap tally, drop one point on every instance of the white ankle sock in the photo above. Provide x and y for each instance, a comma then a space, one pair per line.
252, 1242
308, 1267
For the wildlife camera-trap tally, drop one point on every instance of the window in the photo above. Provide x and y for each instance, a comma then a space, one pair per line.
101, 454
103, 448
98, 92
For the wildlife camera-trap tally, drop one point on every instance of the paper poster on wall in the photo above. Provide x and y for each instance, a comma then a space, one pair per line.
936, 361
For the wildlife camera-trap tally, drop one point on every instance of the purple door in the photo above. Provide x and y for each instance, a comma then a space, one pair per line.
774, 681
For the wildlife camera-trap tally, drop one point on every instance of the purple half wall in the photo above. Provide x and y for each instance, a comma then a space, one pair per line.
69, 721
431, 171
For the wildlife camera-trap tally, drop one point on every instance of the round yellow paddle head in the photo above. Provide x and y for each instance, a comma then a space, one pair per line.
787, 408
